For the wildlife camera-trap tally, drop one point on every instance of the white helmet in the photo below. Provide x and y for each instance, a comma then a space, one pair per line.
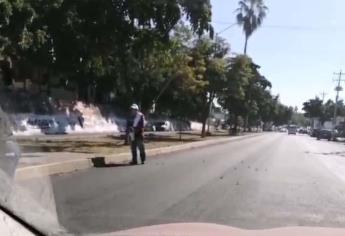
135, 107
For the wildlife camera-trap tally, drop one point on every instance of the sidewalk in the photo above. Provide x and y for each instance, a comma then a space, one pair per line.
38, 164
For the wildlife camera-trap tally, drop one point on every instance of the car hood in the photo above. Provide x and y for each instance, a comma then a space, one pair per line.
199, 229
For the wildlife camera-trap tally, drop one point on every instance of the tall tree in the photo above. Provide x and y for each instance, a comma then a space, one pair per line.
233, 96
313, 108
256, 85
212, 53
250, 16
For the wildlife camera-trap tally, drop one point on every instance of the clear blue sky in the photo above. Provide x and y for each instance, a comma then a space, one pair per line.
299, 47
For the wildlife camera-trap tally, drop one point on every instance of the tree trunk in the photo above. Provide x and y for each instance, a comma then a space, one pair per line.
246, 45
236, 125
204, 120
206, 115
246, 124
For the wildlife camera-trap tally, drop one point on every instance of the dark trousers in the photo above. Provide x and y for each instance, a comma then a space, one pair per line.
138, 143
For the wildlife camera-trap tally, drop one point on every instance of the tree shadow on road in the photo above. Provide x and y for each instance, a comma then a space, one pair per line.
335, 153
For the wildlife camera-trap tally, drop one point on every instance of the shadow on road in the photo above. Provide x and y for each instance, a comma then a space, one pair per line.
339, 154
99, 162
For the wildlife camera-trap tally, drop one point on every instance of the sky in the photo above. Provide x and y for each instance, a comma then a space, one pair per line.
299, 47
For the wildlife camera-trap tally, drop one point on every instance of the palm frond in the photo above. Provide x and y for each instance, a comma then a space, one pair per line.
243, 6
251, 14
239, 18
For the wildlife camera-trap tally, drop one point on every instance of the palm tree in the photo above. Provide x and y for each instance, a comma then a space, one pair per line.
250, 16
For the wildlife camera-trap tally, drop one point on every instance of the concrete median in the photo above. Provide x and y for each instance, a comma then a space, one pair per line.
86, 162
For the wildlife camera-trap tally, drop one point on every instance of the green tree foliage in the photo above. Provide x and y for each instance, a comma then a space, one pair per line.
233, 96
88, 41
212, 54
313, 108
283, 114
299, 119
328, 110
202, 78
139, 51
248, 98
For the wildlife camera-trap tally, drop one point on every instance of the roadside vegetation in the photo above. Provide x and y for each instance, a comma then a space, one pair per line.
163, 55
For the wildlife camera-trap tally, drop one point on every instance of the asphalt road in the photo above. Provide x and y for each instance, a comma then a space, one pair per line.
266, 181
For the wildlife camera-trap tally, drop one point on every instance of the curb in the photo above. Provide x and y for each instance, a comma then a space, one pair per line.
53, 168
86, 163
177, 148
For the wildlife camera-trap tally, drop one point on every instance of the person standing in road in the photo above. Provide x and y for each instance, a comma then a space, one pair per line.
135, 126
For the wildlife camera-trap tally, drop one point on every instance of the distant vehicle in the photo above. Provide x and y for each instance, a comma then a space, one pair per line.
314, 132
324, 134
303, 131
292, 130
282, 129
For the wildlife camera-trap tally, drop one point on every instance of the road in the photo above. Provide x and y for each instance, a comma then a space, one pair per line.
271, 180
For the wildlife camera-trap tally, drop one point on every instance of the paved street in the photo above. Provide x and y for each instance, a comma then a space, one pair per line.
265, 181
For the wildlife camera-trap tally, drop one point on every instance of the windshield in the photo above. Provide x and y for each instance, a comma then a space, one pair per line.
119, 114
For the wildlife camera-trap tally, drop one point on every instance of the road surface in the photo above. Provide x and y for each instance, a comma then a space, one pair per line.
266, 181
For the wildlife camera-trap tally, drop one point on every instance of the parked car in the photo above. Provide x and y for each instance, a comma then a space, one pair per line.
47, 125
303, 131
324, 134
282, 129
314, 132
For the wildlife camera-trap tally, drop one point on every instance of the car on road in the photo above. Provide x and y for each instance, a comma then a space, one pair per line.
292, 129
324, 134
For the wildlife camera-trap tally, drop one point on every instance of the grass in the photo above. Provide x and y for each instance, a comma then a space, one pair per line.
106, 144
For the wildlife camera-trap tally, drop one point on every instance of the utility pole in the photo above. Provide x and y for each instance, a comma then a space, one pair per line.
323, 95
337, 89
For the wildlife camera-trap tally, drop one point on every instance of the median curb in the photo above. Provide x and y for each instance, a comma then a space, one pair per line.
87, 162
177, 148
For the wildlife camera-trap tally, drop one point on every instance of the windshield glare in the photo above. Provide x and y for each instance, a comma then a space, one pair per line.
119, 114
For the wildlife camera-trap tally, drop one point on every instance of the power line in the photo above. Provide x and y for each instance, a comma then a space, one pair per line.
290, 27
227, 28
